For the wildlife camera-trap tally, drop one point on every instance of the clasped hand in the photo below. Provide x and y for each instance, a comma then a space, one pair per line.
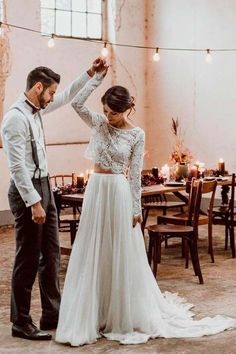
100, 66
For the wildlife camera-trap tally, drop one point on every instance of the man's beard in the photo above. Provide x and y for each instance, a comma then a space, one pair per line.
42, 102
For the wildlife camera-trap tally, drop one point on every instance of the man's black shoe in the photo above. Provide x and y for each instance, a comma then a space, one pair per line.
47, 326
29, 331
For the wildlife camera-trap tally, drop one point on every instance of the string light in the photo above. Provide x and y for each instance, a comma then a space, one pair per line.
104, 51
208, 58
156, 56
51, 42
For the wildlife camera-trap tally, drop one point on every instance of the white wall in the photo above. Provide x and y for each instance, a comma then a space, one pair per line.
182, 85
202, 95
70, 58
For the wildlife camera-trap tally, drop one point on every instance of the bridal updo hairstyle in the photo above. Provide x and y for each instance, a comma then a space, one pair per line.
118, 99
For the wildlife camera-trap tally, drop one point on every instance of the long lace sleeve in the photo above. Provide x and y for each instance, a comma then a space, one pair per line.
136, 164
68, 94
89, 117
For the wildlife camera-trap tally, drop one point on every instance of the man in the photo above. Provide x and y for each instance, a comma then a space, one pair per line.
31, 200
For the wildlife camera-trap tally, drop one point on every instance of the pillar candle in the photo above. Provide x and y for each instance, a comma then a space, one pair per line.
165, 171
155, 171
74, 179
80, 181
194, 172
221, 166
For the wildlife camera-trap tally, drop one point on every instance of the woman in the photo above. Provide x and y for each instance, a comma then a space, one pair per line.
109, 287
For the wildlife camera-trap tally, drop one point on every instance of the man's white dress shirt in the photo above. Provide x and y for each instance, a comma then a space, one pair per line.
17, 139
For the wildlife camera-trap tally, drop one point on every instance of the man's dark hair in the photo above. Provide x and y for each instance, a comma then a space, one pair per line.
44, 75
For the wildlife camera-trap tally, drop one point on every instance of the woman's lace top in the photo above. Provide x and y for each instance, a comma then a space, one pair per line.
112, 148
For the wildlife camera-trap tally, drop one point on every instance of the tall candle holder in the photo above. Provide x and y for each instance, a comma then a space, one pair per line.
155, 171
221, 167
80, 181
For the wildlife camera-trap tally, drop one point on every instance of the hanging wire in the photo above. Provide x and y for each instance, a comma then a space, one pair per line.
119, 44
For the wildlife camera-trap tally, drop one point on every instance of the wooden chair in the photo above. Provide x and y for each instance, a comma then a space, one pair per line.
159, 202
225, 215
208, 187
187, 232
68, 221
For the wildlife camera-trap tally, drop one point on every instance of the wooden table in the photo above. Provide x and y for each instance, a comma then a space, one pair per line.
76, 200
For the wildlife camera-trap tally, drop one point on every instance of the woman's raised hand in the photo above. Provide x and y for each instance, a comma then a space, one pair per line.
100, 66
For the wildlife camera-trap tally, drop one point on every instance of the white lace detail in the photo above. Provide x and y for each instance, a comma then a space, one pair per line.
116, 149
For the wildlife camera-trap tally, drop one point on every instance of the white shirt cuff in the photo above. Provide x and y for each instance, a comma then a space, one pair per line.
31, 198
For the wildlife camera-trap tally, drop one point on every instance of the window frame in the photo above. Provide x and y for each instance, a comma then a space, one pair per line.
87, 13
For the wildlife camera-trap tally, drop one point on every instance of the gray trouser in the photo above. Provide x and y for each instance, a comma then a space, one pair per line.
37, 251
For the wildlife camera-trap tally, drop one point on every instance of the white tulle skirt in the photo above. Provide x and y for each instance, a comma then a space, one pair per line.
109, 287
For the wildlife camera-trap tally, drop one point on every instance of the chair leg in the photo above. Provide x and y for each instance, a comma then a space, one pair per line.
145, 216
210, 248
72, 232
150, 249
226, 237
183, 248
155, 258
158, 241
186, 252
195, 260
232, 241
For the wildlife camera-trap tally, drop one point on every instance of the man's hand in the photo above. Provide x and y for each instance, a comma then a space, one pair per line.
99, 65
136, 219
38, 213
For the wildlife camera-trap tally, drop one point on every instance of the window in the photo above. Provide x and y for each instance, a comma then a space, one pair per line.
72, 18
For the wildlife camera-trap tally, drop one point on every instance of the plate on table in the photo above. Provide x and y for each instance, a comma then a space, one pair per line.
210, 178
174, 184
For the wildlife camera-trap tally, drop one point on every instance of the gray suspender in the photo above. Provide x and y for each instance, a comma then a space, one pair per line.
33, 143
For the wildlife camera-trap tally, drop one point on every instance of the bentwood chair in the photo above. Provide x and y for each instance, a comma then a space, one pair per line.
187, 232
225, 215
159, 202
67, 221
205, 218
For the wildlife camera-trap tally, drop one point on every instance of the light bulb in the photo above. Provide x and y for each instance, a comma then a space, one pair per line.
208, 58
104, 51
51, 42
156, 56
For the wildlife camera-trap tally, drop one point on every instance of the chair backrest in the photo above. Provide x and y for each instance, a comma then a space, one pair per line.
210, 187
207, 188
191, 190
197, 197
231, 201
61, 180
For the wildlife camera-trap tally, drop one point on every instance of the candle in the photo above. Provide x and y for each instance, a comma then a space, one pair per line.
74, 179
90, 172
165, 172
155, 171
221, 166
194, 172
80, 181
197, 164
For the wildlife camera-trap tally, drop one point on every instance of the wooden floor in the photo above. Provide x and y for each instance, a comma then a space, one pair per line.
216, 296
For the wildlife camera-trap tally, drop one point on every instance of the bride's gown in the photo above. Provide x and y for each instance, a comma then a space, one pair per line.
109, 287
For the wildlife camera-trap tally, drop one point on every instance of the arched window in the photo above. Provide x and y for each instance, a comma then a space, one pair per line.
72, 18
